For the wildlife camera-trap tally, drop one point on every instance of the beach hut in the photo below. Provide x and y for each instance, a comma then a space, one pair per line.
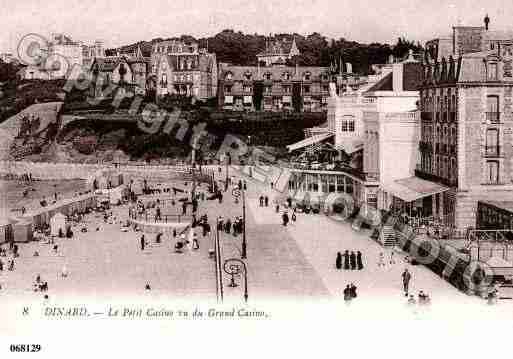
116, 195
23, 231
58, 221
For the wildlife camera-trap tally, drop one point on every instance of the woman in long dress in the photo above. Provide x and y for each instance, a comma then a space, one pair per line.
346, 260
352, 258
359, 262
338, 261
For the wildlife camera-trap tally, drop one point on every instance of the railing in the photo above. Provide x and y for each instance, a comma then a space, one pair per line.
493, 117
218, 267
492, 151
164, 218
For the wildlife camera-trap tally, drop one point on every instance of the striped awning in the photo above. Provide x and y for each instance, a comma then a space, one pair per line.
413, 188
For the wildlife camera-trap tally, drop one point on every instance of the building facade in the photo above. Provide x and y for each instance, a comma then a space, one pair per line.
183, 69
278, 52
467, 121
90, 52
126, 72
281, 88
57, 59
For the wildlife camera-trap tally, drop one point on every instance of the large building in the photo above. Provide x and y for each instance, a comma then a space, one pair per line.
60, 55
467, 122
278, 52
378, 126
126, 72
90, 52
281, 88
178, 68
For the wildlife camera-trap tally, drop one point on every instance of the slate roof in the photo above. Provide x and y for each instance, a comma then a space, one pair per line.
412, 78
277, 72
472, 67
107, 64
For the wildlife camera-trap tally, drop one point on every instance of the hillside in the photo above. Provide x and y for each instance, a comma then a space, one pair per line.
316, 50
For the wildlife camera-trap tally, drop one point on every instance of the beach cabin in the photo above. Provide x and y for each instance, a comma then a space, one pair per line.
58, 222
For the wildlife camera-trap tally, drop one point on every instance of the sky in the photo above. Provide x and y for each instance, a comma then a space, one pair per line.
119, 22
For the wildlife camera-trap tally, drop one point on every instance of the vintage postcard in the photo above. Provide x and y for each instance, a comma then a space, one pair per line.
243, 178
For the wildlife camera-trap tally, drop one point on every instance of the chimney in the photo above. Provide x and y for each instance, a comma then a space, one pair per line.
397, 77
487, 22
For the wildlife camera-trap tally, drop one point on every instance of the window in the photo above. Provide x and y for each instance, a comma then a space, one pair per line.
286, 75
228, 89
325, 88
306, 89
492, 108
247, 76
306, 77
228, 76
492, 142
492, 71
347, 125
268, 89
164, 80
492, 172
267, 76
154, 68
246, 88
286, 89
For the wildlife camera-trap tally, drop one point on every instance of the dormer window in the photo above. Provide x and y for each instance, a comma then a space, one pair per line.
307, 76
247, 76
324, 77
267, 76
228, 76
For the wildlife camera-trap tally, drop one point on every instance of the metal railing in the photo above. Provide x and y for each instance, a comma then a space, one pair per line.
493, 117
492, 151
218, 267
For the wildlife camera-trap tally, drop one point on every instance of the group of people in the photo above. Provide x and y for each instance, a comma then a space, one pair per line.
39, 285
352, 261
263, 201
350, 292
236, 227
423, 299
285, 217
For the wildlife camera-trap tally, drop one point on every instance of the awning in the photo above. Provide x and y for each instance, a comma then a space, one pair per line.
309, 141
412, 188
351, 145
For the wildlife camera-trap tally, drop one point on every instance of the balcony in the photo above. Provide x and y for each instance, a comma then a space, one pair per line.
492, 151
493, 117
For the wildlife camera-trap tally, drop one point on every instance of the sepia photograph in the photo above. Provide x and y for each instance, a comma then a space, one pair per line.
242, 178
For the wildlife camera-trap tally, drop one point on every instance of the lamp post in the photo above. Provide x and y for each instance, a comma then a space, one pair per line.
227, 163
232, 267
243, 254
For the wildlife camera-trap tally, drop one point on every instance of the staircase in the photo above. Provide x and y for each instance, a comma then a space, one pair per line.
387, 236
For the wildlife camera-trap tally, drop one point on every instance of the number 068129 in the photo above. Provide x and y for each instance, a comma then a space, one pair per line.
25, 348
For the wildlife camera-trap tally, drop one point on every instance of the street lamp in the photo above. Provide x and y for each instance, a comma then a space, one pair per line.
227, 163
232, 267
243, 254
